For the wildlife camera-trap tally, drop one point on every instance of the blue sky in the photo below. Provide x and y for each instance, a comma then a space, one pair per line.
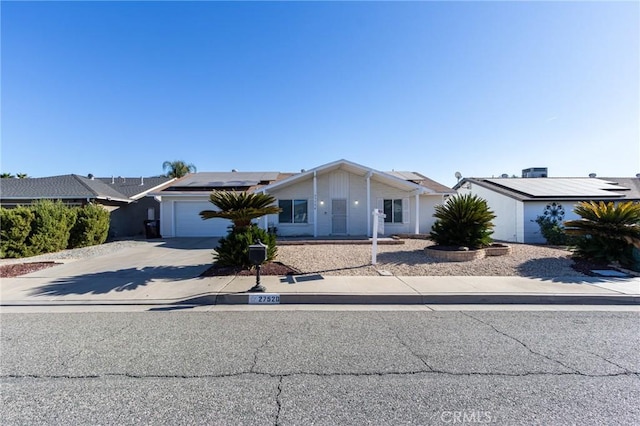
117, 88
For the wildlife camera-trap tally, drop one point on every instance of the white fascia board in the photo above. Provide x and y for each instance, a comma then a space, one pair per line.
315, 170
171, 194
367, 171
401, 182
147, 192
124, 200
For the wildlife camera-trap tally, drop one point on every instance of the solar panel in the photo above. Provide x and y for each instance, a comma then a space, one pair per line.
405, 175
228, 179
559, 187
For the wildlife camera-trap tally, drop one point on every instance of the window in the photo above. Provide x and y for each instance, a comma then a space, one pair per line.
293, 211
393, 210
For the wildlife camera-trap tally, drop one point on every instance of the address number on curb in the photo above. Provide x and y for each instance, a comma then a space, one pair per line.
264, 299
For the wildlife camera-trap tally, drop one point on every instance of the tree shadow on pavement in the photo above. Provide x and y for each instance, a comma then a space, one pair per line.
188, 243
558, 270
120, 280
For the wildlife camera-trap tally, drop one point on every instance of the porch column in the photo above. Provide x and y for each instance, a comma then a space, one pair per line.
368, 204
315, 205
417, 229
173, 218
265, 222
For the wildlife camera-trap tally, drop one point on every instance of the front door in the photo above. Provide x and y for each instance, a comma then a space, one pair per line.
338, 217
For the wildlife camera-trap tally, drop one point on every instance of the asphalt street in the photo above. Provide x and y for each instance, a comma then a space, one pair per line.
320, 367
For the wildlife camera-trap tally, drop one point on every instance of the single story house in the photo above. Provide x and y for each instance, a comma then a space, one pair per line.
124, 198
334, 199
517, 202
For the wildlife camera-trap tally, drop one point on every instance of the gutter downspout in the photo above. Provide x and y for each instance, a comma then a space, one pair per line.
315, 205
173, 218
417, 227
265, 222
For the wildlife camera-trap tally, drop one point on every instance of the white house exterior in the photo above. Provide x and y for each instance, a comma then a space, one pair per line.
517, 202
334, 199
338, 199
183, 200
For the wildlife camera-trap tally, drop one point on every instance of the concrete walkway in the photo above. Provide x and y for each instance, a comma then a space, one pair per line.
164, 286
167, 272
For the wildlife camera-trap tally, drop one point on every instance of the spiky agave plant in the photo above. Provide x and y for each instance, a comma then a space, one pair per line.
608, 231
241, 208
464, 220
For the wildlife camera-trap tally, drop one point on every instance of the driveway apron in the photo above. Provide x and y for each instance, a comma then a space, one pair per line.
130, 269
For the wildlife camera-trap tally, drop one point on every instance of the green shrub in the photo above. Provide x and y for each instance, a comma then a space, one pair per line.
606, 232
91, 226
15, 227
464, 220
550, 223
233, 250
552, 231
50, 228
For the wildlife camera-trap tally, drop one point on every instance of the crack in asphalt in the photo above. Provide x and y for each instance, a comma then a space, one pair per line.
303, 373
257, 352
610, 362
407, 347
524, 345
279, 401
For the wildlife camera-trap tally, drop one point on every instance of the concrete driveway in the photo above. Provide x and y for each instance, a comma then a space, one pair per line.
131, 273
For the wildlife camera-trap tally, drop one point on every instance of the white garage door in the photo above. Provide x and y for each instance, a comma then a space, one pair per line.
190, 224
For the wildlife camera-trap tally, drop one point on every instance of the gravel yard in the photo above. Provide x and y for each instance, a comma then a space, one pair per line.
406, 259
409, 259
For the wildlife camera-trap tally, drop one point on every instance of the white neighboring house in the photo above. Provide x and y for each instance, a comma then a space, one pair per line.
335, 199
517, 202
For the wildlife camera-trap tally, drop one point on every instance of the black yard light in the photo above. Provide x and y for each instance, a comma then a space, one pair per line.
257, 255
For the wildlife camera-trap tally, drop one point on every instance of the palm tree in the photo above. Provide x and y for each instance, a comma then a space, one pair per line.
240, 207
22, 176
178, 168
6, 175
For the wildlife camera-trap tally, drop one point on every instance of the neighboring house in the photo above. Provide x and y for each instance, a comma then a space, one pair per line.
517, 202
334, 199
124, 198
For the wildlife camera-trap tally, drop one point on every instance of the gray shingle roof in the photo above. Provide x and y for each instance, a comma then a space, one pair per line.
58, 187
134, 187
422, 180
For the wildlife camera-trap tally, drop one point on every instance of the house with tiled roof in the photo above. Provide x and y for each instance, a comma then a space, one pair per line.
124, 198
334, 199
518, 201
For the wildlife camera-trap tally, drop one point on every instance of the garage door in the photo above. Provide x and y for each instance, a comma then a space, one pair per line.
190, 224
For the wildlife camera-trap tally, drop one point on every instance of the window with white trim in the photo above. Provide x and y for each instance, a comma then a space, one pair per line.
396, 210
393, 210
293, 211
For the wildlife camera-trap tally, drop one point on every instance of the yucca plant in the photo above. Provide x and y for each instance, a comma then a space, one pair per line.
607, 231
241, 208
464, 220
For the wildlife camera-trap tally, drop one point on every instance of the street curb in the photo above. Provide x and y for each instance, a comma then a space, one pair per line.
431, 299
364, 299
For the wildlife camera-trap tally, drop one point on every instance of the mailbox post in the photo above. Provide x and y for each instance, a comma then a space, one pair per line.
257, 255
